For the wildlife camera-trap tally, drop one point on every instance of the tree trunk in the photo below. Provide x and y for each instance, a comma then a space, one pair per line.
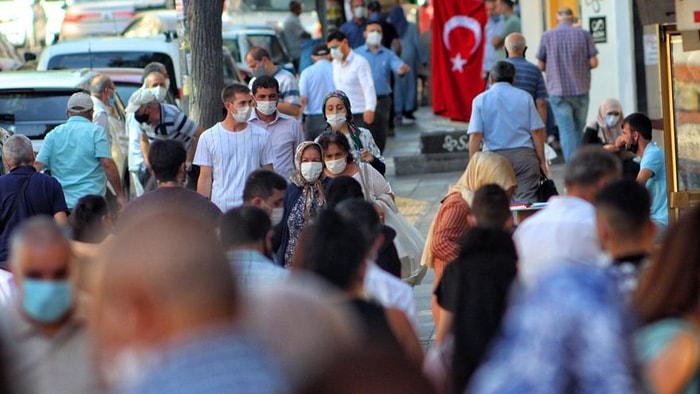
207, 62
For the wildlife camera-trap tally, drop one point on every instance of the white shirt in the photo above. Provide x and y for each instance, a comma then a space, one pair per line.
100, 114
563, 231
390, 291
355, 79
285, 135
133, 131
232, 156
7, 287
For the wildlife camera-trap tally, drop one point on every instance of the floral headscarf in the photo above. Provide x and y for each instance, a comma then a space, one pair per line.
309, 188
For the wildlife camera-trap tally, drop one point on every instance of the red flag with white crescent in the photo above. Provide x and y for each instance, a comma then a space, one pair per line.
457, 56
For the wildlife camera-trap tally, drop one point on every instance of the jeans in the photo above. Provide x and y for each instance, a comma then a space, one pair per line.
570, 113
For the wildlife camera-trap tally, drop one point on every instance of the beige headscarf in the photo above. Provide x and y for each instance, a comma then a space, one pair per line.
308, 187
483, 168
608, 134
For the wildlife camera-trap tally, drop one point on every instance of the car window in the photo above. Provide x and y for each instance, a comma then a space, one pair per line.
145, 26
33, 113
272, 44
135, 59
232, 45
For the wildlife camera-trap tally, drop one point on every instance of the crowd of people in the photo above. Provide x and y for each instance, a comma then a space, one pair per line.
266, 254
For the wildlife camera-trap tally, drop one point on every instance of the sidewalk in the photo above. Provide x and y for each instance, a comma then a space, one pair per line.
418, 197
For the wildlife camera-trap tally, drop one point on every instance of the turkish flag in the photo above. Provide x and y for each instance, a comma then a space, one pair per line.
457, 56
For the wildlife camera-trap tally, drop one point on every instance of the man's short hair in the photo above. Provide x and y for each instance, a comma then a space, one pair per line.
364, 215
627, 206
640, 123
265, 82
243, 225
262, 183
154, 66
374, 22
503, 71
491, 206
507, 3
590, 164
342, 188
99, 83
336, 35
258, 53
231, 90
293, 5
18, 150
166, 157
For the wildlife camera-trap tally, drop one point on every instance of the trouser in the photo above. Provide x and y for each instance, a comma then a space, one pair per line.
380, 127
570, 113
314, 126
527, 172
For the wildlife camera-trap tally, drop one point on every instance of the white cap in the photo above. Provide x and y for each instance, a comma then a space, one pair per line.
79, 102
141, 97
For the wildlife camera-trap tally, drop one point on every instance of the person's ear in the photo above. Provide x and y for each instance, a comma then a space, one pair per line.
257, 201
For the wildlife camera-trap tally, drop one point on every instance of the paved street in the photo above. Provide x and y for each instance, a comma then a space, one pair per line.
418, 197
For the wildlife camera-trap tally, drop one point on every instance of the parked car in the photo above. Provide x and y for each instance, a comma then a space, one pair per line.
270, 13
144, 4
34, 102
88, 18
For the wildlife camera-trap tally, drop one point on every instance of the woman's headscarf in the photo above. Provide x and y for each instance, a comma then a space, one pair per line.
398, 18
354, 132
483, 168
308, 187
608, 134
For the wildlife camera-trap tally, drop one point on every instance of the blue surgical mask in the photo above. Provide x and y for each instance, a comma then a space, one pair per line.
259, 72
46, 301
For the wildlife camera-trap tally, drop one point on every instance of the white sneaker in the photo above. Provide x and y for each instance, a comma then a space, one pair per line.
407, 121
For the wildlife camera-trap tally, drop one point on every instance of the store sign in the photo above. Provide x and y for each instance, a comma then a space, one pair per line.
598, 29
688, 15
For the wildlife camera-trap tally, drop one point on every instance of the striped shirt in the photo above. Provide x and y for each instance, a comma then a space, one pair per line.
174, 125
289, 87
528, 77
566, 52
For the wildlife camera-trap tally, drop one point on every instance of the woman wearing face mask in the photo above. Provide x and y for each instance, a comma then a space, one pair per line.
338, 115
304, 198
606, 129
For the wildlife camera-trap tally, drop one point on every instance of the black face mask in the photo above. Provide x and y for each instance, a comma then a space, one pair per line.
143, 118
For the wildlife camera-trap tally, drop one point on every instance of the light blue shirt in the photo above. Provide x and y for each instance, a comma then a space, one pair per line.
252, 270
653, 160
505, 115
315, 82
72, 152
383, 62
285, 135
492, 29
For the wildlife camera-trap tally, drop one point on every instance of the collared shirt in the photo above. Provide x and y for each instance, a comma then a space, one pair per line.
566, 52
382, 61
314, 83
72, 151
285, 135
289, 87
528, 77
390, 291
42, 364
133, 131
293, 31
506, 116
653, 160
42, 196
493, 27
567, 226
354, 77
174, 125
253, 271
354, 32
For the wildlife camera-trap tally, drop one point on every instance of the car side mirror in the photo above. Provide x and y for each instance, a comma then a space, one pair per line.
29, 56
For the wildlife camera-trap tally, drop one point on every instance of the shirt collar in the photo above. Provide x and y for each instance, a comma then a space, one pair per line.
23, 170
255, 116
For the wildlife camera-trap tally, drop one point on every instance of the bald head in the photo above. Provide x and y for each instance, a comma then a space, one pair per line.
565, 14
515, 45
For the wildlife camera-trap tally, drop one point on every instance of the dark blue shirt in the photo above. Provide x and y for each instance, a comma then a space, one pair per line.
354, 32
43, 196
528, 77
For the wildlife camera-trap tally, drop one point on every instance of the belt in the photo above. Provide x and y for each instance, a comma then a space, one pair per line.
383, 96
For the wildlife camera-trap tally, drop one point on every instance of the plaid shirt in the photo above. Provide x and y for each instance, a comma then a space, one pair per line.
566, 52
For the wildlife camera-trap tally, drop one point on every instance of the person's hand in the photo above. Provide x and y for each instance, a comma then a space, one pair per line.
380, 212
620, 143
368, 117
612, 148
404, 69
366, 155
543, 168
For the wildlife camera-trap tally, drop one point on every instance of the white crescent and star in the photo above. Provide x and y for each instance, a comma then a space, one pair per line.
466, 22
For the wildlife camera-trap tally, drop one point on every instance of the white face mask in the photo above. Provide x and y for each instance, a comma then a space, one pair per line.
336, 54
242, 114
311, 170
611, 120
336, 121
359, 12
337, 166
267, 107
374, 38
276, 216
159, 92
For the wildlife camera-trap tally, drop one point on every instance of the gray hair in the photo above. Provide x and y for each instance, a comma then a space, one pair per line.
589, 165
515, 43
37, 232
86, 77
503, 71
18, 150
99, 83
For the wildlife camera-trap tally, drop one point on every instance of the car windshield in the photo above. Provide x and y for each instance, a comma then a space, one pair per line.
268, 41
33, 112
270, 5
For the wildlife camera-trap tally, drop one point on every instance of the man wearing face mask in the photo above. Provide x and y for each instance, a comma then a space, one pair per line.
636, 138
265, 189
260, 63
232, 149
167, 158
353, 75
246, 235
355, 27
383, 62
285, 131
46, 337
